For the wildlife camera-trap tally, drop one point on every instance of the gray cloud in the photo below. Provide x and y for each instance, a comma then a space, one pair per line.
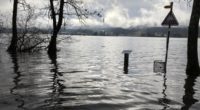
130, 13
124, 13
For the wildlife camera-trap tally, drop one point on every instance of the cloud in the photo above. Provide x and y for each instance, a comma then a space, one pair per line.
132, 13
122, 13
117, 16
87, 23
5, 6
149, 17
150, 14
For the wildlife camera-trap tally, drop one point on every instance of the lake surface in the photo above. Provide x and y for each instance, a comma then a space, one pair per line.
88, 75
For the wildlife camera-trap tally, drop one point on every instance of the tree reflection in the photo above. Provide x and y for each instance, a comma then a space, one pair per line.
16, 80
57, 86
188, 98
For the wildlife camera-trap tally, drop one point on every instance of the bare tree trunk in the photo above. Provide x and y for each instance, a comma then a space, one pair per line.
13, 45
52, 48
192, 52
56, 26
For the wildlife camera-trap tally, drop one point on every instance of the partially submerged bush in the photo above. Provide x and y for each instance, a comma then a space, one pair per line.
30, 38
32, 41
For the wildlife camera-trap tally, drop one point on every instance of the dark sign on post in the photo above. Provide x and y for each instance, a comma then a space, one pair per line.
170, 19
159, 66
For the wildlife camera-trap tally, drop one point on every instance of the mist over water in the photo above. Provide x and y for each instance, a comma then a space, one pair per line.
87, 74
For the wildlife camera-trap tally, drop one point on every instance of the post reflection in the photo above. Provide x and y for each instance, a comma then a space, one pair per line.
57, 85
188, 98
164, 101
16, 80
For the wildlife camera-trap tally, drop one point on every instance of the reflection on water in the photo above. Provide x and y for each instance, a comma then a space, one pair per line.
87, 74
164, 100
188, 98
57, 86
16, 80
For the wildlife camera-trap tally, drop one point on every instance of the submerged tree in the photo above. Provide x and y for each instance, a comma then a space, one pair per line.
56, 25
13, 45
192, 52
27, 38
60, 8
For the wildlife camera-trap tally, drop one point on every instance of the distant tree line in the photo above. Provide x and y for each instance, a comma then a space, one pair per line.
178, 32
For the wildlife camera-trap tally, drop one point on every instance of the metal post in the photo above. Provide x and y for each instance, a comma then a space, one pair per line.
167, 42
167, 47
171, 4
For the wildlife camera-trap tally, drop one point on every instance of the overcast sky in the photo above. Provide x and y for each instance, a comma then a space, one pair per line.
121, 13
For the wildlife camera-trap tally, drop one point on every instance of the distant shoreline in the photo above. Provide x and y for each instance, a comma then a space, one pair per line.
127, 36
110, 35
181, 32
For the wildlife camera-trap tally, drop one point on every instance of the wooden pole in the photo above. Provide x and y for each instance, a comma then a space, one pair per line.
126, 58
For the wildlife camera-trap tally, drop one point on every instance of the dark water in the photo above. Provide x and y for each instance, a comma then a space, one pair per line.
88, 75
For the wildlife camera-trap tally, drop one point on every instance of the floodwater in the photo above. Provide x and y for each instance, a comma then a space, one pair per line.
88, 75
